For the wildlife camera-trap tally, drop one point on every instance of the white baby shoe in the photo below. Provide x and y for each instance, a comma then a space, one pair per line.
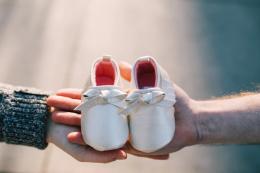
150, 106
103, 124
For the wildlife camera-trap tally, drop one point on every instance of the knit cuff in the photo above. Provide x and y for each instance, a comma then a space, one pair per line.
23, 116
1, 115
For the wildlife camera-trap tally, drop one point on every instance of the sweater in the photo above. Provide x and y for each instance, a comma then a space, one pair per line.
23, 116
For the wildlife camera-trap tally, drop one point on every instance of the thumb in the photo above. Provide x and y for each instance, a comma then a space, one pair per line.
125, 70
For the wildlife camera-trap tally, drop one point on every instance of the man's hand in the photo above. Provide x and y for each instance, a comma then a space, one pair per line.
185, 122
185, 119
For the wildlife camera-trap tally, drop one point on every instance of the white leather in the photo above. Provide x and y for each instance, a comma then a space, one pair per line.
152, 123
103, 124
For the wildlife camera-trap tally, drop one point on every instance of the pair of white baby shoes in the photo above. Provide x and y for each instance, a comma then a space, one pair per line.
145, 116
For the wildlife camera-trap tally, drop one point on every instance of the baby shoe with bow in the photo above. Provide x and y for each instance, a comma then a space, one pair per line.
150, 106
104, 126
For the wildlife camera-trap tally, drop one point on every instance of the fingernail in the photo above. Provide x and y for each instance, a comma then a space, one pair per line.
121, 155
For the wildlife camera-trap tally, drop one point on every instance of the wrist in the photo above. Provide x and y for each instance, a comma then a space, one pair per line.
50, 129
23, 117
201, 126
209, 120
194, 112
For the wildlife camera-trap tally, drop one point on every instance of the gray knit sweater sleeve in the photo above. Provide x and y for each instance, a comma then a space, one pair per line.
23, 116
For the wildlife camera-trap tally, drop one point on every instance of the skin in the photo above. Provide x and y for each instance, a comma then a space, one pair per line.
57, 134
229, 121
225, 121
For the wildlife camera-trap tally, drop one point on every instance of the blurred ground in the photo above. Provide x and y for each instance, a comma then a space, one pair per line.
210, 48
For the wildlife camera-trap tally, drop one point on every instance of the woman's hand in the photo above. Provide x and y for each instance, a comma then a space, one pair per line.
66, 124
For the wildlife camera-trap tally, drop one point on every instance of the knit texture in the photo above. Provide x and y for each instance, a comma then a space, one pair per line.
23, 116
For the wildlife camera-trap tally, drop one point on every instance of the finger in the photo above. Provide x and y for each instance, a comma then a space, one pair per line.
64, 103
68, 118
70, 92
159, 157
125, 70
76, 138
131, 150
91, 155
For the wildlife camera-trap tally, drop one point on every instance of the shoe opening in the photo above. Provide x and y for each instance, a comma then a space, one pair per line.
105, 73
145, 74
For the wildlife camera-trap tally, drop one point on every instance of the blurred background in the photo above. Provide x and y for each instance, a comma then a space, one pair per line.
210, 48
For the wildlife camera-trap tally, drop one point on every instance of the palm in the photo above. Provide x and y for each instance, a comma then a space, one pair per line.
58, 135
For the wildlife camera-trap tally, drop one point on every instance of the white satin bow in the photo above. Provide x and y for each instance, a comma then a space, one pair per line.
96, 96
151, 96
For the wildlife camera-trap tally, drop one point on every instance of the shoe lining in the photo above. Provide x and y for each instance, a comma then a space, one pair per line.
105, 73
146, 75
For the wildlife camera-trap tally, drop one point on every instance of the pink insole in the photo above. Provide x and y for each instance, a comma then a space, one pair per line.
146, 76
105, 73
